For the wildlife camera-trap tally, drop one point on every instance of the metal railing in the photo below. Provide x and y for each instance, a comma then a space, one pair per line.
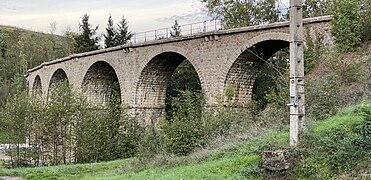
186, 30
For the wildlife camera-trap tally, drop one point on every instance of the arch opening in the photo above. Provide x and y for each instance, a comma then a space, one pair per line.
100, 84
246, 69
162, 79
37, 87
58, 78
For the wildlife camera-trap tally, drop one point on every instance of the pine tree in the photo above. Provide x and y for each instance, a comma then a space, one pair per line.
86, 41
176, 30
123, 34
109, 37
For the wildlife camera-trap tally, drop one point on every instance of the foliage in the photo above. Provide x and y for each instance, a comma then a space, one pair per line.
184, 132
109, 37
237, 13
117, 36
323, 150
314, 8
313, 51
149, 144
322, 96
346, 69
176, 32
184, 78
338, 145
346, 24
66, 129
123, 34
86, 40
229, 92
366, 20
14, 116
54, 131
21, 50
271, 82
109, 131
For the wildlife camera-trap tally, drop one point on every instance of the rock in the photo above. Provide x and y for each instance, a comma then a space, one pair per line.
276, 160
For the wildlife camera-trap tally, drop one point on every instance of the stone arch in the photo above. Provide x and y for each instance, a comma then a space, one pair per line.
37, 87
58, 77
99, 83
243, 71
153, 81
197, 65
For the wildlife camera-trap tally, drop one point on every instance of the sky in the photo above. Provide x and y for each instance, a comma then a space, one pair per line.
142, 15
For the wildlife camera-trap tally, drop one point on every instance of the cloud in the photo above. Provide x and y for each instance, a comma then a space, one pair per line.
142, 15
195, 16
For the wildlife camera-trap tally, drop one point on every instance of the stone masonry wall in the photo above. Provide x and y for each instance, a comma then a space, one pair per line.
143, 70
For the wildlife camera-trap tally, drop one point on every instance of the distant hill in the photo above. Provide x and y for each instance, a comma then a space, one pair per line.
21, 49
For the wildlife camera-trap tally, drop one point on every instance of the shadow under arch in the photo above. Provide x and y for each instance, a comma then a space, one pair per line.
58, 77
244, 70
154, 80
100, 84
37, 87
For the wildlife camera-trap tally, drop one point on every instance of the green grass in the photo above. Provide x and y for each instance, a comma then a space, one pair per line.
226, 164
237, 161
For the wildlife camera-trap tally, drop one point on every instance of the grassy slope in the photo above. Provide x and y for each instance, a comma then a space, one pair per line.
234, 162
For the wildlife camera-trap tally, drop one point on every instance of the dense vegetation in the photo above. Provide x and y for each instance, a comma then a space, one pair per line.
325, 154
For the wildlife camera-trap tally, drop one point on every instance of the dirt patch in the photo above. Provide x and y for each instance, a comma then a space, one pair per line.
10, 178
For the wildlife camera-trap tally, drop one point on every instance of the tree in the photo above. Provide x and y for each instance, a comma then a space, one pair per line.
123, 34
365, 18
109, 37
237, 13
346, 25
85, 41
314, 8
176, 30
186, 129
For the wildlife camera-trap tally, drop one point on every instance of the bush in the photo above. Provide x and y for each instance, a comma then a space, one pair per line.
366, 20
346, 24
149, 144
322, 96
338, 150
184, 132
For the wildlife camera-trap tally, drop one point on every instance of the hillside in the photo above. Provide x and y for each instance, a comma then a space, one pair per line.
323, 154
22, 49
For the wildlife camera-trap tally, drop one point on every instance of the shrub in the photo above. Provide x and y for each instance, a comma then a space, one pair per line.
322, 96
184, 131
365, 19
149, 143
340, 148
346, 25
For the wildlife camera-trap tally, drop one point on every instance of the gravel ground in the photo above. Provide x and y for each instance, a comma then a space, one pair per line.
9, 178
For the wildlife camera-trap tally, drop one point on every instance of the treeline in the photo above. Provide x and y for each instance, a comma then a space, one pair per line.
21, 49
66, 129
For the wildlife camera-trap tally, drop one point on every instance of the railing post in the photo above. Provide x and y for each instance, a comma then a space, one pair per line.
135, 38
145, 36
205, 28
155, 34
191, 28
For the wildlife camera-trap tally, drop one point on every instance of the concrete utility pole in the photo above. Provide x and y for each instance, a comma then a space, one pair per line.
297, 102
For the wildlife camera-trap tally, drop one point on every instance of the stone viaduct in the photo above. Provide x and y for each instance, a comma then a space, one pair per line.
143, 70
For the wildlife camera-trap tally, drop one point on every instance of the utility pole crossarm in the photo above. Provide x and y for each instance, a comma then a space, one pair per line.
297, 100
